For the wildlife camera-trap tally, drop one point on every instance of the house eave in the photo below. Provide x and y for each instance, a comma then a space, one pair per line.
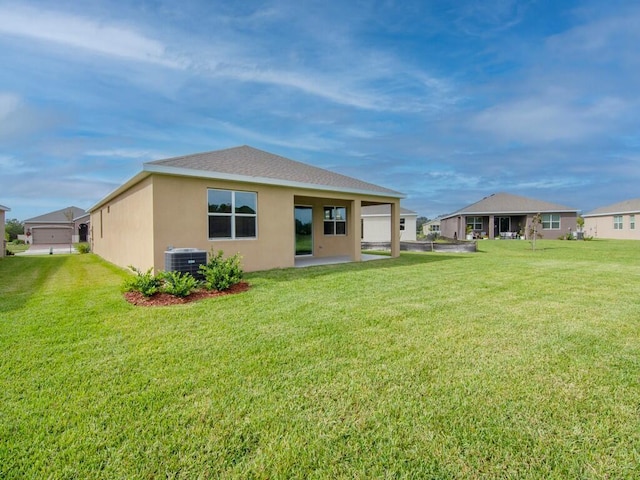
607, 214
186, 172
523, 212
122, 188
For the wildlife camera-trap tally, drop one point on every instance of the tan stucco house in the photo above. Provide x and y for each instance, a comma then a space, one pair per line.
504, 215
376, 224
61, 227
617, 221
3, 222
270, 209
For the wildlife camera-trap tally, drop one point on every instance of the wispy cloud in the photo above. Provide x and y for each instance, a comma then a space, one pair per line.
83, 33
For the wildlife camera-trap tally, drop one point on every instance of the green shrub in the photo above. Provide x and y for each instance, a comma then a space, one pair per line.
18, 242
221, 273
82, 247
144, 282
178, 284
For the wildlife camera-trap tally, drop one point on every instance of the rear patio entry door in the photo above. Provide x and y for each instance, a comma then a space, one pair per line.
502, 224
304, 230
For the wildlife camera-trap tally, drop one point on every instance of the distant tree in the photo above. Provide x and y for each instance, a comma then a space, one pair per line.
580, 223
420, 221
534, 229
13, 228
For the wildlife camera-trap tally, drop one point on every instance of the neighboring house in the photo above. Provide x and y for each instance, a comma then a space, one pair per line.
432, 226
618, 221
3, 222
376, 224
268, 208
503, 215
66, 226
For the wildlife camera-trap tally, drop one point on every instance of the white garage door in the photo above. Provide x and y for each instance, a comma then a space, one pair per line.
51, 236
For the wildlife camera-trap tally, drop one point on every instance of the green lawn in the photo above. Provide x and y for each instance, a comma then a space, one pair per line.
506, 363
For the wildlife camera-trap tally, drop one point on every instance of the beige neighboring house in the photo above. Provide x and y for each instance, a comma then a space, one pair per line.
617, 221
432, 226
268, 208
504, 215
3, 222
376, 224
62, 227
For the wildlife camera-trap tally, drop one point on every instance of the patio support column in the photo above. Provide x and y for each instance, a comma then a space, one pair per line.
395, 229
354, 227
492, 222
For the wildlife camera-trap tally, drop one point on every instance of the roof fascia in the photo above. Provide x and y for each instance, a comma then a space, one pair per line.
188, 172
628, 212
122, 188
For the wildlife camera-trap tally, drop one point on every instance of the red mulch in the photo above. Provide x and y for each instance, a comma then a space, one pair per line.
164, 299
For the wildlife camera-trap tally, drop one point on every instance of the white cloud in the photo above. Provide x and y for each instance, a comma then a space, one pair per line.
546, 119
127, 153
83, 33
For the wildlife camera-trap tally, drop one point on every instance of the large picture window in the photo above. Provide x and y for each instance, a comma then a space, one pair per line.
551, 221
232, 214
335, 220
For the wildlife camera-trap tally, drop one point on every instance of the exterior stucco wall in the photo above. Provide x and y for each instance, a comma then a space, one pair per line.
602, 227
122, 229
136, 227
181, 220
2, 244
455, 227
377, 228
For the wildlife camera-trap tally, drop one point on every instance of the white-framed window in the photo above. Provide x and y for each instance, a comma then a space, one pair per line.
551, 221
232, 214
335, 220
402, 224
617, 222
475, 223
632, 222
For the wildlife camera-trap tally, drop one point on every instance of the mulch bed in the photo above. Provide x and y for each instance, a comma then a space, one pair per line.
164, 299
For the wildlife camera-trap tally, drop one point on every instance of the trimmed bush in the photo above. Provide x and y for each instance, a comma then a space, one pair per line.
178, 284
221, 273
144, 282
82, 247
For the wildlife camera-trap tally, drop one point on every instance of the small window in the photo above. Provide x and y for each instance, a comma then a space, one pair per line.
232, 214
617, 222
551, 221
402, 224
335, 220
632, 222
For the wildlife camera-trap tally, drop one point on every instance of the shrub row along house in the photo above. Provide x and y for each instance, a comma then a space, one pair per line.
503, 215
268, 208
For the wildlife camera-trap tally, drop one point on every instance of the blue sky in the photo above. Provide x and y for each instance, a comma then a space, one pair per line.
445, 101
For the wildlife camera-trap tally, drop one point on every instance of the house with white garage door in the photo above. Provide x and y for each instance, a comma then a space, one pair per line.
62, 227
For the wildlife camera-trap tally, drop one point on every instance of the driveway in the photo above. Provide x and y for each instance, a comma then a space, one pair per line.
55, 249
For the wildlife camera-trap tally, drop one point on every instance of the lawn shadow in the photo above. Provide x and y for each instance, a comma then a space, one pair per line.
21, 277
405, 259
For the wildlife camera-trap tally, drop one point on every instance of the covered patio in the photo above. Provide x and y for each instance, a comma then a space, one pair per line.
302, 262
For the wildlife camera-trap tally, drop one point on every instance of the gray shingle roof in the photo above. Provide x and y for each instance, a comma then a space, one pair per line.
61, 215
626, 206
252, 165
384, 209
508, 203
